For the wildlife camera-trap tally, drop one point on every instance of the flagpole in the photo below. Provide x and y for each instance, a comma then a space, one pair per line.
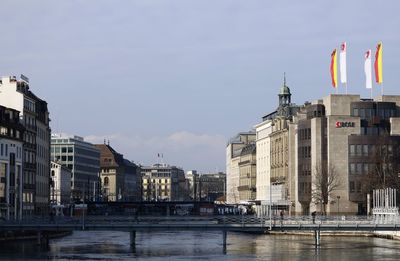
345, 84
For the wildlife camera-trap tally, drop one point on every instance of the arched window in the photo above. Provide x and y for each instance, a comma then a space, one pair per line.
106, 181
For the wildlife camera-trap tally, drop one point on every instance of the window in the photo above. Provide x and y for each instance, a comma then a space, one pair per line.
362, 113
359, 150
352, 168
106, 181
371, 150
352, 186
366, 168
365, 150
355, 112
359, 168
358, 187
3, 131
352, 150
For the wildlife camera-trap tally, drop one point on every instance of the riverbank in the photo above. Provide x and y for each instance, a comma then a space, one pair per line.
381, 234
11, 236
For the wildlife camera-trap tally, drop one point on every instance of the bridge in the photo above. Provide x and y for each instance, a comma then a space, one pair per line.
224, 224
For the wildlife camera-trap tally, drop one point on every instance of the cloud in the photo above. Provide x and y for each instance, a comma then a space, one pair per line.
203, 152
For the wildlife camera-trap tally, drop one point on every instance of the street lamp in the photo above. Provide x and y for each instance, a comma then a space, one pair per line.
338, 198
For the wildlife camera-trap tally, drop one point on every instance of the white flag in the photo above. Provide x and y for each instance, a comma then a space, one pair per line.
343, 73
368, 70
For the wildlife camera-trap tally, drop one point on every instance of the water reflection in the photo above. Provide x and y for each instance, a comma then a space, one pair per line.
202, 246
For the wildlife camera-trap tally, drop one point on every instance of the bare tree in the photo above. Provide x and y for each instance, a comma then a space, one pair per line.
326, 181
384, 172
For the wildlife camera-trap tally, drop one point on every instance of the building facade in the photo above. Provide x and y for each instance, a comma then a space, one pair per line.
192, 178
247, 173
11, 167
83, 159
120, 178
233, 152
161, 182
210, 187
43, 134
34, 115
354, 141
60, 187
273, 154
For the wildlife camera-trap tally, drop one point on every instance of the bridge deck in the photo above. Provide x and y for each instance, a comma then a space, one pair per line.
221, 223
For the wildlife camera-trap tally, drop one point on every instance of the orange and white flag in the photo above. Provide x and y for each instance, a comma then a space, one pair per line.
334, 69
378, 63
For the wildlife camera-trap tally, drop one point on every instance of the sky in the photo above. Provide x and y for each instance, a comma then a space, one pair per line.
181, 77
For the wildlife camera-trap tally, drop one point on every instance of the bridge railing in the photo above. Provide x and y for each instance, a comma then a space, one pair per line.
239, 220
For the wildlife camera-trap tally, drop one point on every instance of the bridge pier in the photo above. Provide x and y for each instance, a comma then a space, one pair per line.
224, 235
132, 236
39, 238
42, 240
317, 237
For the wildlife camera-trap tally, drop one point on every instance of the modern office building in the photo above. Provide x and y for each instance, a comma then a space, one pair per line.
34, 115
351, 140
162, 182
233, 152
83, 159
120, 179
11, 157
60, 185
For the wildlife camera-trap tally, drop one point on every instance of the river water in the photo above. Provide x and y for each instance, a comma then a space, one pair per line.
95, 245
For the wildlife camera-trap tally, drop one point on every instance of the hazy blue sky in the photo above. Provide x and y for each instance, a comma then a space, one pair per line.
181, 77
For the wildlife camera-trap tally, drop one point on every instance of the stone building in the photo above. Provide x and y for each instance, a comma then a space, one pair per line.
11, 164
120, 179
162, 182
356, 141
16, 94
192, 178
60, 187
273, 154
233, 151
210, 186
247, 173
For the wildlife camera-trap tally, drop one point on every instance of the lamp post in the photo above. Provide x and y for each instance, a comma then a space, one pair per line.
338, 198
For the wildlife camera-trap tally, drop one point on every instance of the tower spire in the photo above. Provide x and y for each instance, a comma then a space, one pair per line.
284, 78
